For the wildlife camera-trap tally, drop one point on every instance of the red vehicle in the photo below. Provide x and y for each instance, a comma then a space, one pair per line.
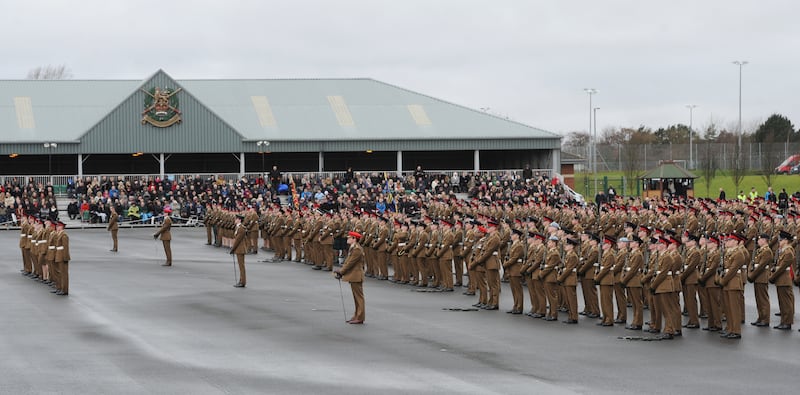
788, 164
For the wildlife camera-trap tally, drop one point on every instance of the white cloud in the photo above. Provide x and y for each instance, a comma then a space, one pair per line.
529, 60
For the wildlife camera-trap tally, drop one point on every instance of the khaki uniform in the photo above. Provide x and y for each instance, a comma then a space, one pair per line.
758, 272
781, 277
512, 266
113, 227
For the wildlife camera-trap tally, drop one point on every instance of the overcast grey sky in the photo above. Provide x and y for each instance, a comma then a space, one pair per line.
528, 60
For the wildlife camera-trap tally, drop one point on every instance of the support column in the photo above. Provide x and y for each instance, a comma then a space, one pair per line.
321, 166
161, 161
477, 161
556, 157
241, 164
80, 166
399, 163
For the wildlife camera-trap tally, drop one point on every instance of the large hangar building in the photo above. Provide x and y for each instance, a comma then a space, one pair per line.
167, 126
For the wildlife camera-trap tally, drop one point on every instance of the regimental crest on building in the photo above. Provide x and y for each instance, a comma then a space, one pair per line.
161, 107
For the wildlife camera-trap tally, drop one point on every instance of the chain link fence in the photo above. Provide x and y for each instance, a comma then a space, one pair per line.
757, 157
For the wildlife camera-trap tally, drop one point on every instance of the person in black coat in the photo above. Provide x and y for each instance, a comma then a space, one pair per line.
274, 179
783, 199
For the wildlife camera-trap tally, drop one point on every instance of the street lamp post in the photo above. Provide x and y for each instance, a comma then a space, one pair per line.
741, 64
261, 151
594, 165
691, 131
50, 147
590, 92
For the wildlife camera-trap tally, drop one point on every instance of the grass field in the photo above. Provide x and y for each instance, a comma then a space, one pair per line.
721, 180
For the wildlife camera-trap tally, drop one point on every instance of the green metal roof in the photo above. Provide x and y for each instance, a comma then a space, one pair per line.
103, 116
379, 111
61, 110
668, 170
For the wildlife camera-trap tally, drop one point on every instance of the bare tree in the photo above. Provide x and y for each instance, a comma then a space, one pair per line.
631, 144
708, 165
50, 72
737, 166
771, 157
578, 143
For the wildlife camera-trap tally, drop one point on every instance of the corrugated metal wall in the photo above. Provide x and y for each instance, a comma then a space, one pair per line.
122, 131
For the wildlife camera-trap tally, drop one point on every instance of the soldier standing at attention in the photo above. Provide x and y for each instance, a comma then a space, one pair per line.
731, 283
62, 259
25, 236
478, 268
549, 276
444, 254
569, 280
781, 277
662, 287
239, 248
706, 280
113, 226
605, 279
758, 274
619, 290
166, 236
352, 271
513, 265
208, 221
490, 256
632, 281
689, 280
589, 263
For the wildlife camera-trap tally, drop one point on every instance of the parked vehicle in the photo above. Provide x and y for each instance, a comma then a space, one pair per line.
786, 166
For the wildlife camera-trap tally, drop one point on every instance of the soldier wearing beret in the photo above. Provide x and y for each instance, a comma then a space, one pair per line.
352, 271
781, 277
62, 259
239, 248
568, 278
758, 272
166, 236
605, 279
513, 265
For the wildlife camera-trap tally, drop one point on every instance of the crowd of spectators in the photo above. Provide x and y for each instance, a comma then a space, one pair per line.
18, 196
144, 198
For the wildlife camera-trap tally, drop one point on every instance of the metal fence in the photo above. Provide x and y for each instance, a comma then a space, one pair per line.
756, 156
61, 182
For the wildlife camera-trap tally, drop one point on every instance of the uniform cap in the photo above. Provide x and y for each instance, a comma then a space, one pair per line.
553, 238
573, 241
355, 235
784, 235
517, 232
734, 236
